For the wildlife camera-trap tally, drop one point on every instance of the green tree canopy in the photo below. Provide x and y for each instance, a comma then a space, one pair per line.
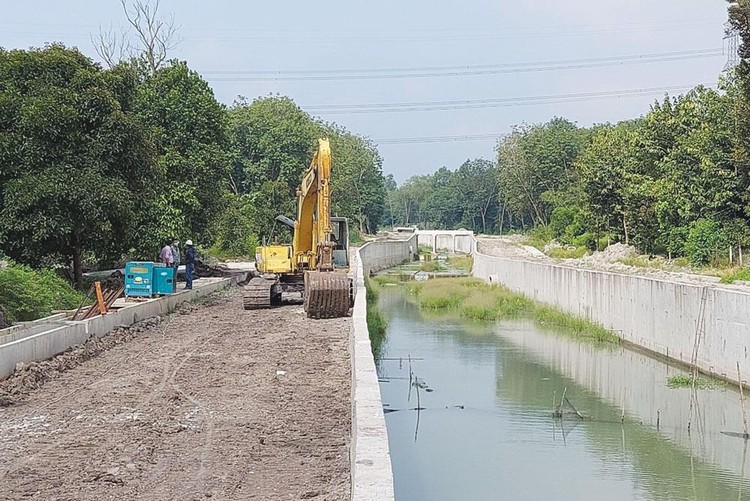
191, 132
74, 162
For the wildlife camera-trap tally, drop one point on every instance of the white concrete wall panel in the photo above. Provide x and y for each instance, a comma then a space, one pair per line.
656, 314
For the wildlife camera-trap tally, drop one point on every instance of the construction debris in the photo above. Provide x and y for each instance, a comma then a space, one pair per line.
219, 270
106, 297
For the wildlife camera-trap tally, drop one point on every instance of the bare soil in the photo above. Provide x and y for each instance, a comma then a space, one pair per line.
210, 402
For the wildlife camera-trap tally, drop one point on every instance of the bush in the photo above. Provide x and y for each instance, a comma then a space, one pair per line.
540, 237
742, 274
236, 235
26, 294
587, 240
704, 240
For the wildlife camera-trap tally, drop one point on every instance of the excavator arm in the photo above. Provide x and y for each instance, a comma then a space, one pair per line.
328, 293
313, 246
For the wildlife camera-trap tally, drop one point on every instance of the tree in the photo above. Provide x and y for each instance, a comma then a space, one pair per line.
605, 169
75, 163
148, 38
358, 187
274, 141
536, 167
191, 132
475, 184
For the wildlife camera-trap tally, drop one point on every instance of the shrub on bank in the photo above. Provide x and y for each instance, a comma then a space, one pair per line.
376, 323
27, 294
742, 274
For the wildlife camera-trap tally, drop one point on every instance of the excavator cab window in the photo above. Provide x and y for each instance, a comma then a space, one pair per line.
340, 235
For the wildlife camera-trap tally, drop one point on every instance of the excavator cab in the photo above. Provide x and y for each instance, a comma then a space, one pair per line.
340, 237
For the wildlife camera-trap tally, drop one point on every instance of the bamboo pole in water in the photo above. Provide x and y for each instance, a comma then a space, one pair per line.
742, 401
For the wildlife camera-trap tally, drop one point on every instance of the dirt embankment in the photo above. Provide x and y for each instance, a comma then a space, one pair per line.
211, 402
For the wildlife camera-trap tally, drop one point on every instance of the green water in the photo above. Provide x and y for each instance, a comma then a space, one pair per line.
487, 429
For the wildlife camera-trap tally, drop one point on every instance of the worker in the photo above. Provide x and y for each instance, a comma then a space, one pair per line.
189, 264
175, 255
166, 254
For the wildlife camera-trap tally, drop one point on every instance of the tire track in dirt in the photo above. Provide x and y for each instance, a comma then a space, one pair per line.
193, 408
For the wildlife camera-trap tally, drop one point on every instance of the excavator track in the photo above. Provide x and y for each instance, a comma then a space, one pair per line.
328, 294
259, 293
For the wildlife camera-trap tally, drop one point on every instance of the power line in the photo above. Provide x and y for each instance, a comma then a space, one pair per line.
438, 139
453, 71
389, 36
712, 50
439, 36
685, 23
338, 109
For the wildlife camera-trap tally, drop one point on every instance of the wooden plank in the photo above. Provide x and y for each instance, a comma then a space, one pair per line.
100, 298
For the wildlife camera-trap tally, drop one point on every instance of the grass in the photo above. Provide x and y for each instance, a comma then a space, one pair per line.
386, 279
681, 264
376, 323
431, 266
686, 381
461, 262
580, 327
568, 253
475, 300
741, 274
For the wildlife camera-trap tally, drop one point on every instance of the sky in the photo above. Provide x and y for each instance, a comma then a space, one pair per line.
445, 78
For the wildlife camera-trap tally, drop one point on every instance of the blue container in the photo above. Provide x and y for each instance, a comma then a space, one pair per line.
164, 280
139, 279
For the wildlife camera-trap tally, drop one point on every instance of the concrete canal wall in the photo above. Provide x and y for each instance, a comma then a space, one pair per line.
632, 380
659, 315
383, 254
459, 241
372, 476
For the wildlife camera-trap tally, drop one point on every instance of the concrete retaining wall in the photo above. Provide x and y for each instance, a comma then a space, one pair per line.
48, 337
379, 255
461, 241
658, 315
372, 476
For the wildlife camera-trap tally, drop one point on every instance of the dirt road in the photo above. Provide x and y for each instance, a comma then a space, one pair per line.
211, 402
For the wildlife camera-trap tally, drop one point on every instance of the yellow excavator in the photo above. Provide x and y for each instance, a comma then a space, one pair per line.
317, 262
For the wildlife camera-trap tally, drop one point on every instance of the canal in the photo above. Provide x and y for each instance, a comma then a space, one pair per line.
486, 428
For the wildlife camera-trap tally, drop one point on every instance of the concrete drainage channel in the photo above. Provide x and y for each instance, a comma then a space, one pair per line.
47, 337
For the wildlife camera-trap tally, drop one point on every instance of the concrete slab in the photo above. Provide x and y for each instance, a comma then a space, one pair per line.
241, 265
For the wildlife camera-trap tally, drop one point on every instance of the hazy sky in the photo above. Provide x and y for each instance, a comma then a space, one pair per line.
491, 44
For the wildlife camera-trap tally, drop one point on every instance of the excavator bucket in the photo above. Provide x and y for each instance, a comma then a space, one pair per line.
328, 294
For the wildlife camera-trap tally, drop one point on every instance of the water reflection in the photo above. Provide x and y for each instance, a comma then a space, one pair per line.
487, 430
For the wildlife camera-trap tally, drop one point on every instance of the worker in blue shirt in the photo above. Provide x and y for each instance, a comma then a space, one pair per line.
189, 264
